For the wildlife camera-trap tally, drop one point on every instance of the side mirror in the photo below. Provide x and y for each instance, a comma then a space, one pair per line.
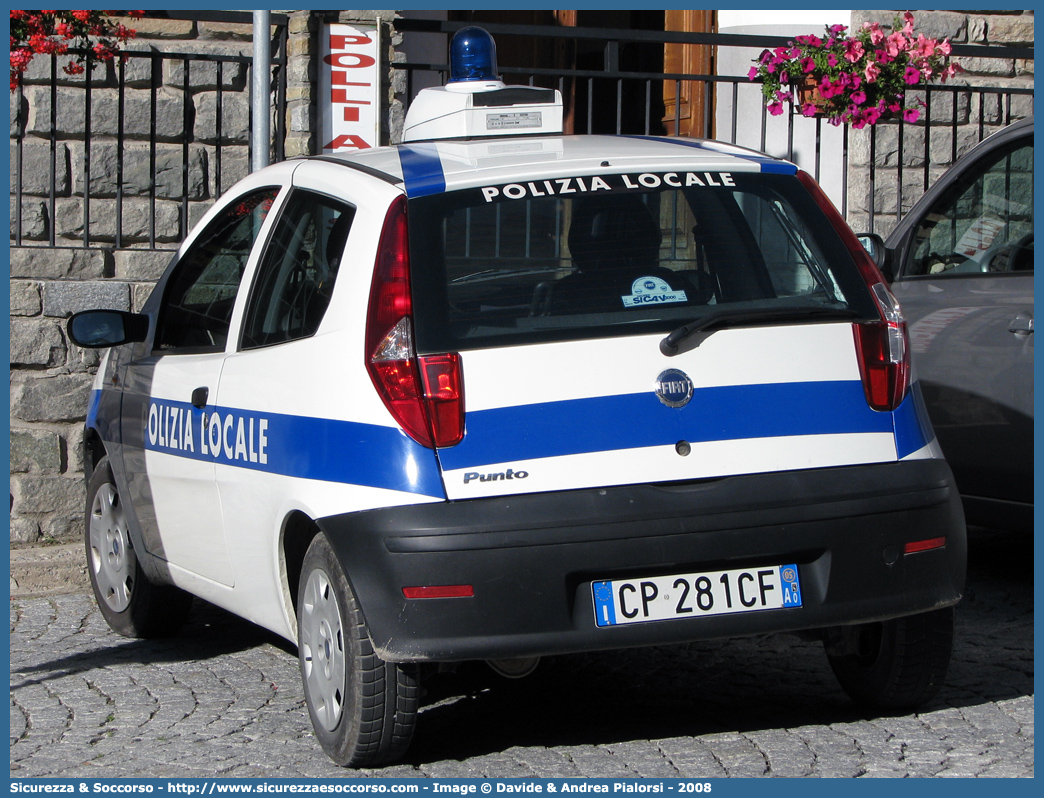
96, 329
875, 248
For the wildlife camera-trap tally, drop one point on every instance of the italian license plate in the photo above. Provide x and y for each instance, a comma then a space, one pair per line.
663, 598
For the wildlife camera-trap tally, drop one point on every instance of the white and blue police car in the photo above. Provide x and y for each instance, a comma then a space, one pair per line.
498, 393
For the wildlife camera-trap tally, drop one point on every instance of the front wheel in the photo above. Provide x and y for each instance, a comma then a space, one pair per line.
363, 709
893, 665
131, 604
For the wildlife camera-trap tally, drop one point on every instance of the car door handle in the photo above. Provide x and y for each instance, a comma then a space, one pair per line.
200, 396
1021, 325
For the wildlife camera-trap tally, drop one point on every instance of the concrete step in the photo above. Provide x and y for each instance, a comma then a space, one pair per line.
48, 570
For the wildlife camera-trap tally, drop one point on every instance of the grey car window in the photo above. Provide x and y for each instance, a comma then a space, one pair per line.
983, 224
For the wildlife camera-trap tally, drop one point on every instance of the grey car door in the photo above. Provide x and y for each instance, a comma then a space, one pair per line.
965, 282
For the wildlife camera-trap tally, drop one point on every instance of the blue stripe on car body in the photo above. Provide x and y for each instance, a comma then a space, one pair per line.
422, 170
384, 457
608, 423
913, 429
323, 449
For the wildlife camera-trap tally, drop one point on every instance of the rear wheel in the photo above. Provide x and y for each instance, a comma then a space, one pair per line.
131, 604
896, 664
363, 709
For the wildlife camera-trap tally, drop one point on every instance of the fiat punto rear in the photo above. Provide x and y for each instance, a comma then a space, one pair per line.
512, 397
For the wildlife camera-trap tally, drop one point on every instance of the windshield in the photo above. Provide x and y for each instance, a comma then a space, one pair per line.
583, 257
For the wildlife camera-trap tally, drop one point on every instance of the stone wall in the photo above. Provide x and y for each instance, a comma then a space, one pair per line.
54, 275
1008, 28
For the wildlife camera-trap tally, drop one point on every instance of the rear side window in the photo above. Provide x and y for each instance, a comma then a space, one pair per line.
296, 276
589, 256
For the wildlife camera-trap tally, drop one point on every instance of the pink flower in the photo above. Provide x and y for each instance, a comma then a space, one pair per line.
912, 76
858, 97
876, 34
808, 65
925, 47
808, 109
944, 47
837, 30
895, 44
753, 73
911, 115
853, 50
775, 108
871, 72
908, 18
832, 59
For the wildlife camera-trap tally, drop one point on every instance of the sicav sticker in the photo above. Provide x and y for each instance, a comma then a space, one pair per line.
651, 291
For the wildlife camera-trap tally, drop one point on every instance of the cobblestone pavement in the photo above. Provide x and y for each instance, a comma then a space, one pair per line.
224, 699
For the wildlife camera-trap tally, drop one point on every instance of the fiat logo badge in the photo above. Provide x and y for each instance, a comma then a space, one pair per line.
674, 388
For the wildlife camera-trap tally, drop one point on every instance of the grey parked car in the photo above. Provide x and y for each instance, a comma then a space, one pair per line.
961, 264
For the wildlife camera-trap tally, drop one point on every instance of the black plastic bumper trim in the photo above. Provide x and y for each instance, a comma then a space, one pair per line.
531, 558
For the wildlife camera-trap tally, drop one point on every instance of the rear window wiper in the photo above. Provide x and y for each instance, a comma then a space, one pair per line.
728, 317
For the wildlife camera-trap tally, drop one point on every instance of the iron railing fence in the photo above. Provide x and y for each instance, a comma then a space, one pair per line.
629, 99
137, 113
984, 108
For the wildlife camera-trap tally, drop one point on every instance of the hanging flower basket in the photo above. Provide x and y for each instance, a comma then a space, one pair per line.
855, 79
809, 96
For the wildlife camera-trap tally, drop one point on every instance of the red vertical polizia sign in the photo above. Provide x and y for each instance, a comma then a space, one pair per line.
349, 86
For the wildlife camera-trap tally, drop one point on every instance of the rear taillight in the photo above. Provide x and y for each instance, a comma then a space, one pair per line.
884, 361
444, 397
424, 395
882, 346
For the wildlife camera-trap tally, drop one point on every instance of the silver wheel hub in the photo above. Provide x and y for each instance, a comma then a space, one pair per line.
112, 559
321, 639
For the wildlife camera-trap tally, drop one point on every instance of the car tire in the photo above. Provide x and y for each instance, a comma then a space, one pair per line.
894, 665
363, 709
131, 604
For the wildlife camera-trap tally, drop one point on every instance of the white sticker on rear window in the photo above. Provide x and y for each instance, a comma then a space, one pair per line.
652, 291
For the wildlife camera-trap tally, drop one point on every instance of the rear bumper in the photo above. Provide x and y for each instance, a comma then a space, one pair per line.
531, 559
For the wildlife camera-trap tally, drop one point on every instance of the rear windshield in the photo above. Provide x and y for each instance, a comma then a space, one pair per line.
584, 257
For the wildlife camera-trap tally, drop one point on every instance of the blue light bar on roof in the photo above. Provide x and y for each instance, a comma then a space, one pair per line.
473, 55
